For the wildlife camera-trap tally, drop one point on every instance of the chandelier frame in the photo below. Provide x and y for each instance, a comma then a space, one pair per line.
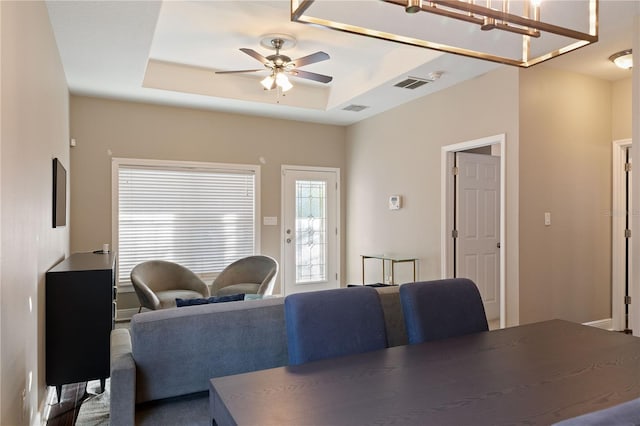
527, 25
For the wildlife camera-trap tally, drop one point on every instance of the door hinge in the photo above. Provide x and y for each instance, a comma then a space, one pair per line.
454, 171
627, 233
627, 300
336, 276
454, 233
627, 167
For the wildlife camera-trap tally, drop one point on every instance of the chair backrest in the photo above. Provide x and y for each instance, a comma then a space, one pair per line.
626, 413
439, 309
155, 276
257, 269
161, 275
330, 323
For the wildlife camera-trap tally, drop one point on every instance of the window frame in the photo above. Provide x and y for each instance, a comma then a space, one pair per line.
116, 163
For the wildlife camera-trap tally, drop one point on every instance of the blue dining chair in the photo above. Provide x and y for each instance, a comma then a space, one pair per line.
625, 414
331, 323
439, 309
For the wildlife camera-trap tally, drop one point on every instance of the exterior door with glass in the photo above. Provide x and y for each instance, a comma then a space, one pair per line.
310, 229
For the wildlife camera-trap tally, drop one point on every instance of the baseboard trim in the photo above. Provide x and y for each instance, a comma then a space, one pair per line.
605, 324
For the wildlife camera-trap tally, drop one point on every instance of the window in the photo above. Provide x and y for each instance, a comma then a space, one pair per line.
311, 229
200, 215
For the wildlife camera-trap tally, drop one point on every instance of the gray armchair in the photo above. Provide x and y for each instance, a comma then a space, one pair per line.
158, 283
249, 275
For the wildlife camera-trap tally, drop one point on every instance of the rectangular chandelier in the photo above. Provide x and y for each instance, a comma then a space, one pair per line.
513, 32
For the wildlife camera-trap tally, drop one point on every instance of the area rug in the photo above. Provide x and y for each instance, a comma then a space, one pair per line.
94, 410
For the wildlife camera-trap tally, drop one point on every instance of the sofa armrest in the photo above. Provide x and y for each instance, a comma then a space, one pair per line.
122, 408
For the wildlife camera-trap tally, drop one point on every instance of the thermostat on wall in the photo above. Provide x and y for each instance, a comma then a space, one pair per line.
395, 202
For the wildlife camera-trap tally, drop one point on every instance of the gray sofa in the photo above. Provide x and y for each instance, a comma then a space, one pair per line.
160, 368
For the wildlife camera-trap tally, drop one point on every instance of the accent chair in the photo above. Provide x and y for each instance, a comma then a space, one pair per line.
249, 275
158, 283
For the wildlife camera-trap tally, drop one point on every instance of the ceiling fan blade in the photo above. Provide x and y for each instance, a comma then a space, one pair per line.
255, 55
310, 59
238, 71
312, 76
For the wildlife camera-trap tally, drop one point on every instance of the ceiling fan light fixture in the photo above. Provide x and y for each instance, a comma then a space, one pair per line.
623, 59
283, 82
267, 82
281, 65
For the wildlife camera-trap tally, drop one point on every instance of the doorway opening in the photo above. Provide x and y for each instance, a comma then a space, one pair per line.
473, 218
621, 236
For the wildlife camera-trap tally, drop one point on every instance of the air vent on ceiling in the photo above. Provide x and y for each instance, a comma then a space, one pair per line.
355, 108
415, 82
411, 83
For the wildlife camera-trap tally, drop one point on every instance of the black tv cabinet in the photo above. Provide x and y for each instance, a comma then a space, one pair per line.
80, 314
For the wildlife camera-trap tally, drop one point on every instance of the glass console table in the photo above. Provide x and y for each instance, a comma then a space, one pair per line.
392, 259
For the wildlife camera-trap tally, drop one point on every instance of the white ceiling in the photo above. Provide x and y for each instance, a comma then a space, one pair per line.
168, 52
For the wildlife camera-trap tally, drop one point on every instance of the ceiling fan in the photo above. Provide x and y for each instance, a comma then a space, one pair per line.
280, 65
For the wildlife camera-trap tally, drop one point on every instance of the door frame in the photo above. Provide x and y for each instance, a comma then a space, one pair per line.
336, 170
447, 208
618, 226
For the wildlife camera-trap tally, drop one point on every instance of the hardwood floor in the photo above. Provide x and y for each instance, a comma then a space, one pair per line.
66, 411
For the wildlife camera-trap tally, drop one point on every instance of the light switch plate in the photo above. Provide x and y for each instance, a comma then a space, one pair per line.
270, 220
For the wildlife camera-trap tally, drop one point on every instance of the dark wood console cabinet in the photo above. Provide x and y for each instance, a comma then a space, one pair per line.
80, 314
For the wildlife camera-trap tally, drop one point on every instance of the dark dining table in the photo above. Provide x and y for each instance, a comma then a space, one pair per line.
535, 374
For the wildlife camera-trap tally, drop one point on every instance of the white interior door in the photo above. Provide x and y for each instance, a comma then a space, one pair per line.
310, 229
621, 222
478, 225
628, 245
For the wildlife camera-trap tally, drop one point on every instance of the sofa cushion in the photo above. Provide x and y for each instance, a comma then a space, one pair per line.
246, 288
177, 351
188, 410
213, 299
168, 298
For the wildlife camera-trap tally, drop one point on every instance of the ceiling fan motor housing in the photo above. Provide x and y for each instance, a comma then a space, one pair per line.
279, 64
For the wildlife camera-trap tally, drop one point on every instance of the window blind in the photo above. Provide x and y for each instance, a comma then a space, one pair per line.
201, 219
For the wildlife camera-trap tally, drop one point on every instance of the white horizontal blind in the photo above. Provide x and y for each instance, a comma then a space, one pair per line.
201, 219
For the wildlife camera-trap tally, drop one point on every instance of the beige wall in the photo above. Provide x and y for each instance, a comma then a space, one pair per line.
34, 130
621, 109
565, 169
399, 152
104, 129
